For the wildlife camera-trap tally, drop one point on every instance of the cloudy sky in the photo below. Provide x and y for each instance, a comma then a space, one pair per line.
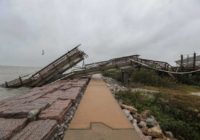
155, 29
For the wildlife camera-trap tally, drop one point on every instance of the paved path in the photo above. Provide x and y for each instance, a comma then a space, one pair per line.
99, 117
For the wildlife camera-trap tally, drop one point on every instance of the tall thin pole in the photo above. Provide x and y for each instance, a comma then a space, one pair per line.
181, 61
194, 60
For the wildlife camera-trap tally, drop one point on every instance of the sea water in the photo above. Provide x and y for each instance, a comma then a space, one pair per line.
8, 73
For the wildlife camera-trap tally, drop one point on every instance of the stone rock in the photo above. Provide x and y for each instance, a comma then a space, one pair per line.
32, 115
37, 130
155, 132
169, 134
137, 117
149, 137
130, 118
8, 127
145, 114
164, 138
130, 108
144, 130
142, 124
139, 132
126, 112
151, 121
56, 111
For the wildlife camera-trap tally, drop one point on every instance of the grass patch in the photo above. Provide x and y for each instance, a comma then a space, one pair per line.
172, 116
113, 73
174, 107
151, 78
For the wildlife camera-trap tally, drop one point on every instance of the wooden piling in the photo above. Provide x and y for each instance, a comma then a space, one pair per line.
181, 65
194, 61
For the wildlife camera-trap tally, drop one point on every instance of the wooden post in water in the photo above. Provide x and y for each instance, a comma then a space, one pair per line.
194, 61
181, 62
6, 84
20, 79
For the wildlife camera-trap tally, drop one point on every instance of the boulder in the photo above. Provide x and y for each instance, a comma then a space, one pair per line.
139, 132
8, 127
164, 138
145, 114
149, 137
126, 112
37, 130
32, 115
151, 122
130, 118
144, 130
130, 108
155, 132
169, 134
137, 117
142, 124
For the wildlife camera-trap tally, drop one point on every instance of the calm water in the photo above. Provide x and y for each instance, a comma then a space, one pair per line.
9, 73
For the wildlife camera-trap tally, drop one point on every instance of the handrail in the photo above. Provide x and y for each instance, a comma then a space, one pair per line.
56, 60
166, 71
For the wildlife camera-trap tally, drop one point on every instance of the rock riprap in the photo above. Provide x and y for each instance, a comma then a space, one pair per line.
37, 114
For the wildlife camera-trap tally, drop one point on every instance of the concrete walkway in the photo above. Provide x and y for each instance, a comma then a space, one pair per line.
99, 117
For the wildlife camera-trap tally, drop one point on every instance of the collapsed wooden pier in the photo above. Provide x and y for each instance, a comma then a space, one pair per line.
55, 70
41, 113
50, 72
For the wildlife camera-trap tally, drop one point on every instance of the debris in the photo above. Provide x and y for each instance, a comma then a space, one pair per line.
51, 72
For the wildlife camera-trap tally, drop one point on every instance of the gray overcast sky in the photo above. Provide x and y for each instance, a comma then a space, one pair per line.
155, 29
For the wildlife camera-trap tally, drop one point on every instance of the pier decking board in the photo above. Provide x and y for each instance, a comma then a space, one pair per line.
51, 72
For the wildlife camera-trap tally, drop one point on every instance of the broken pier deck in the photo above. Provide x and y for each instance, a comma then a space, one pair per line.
51, 71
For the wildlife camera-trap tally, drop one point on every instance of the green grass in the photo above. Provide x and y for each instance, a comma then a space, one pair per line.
113, 73
182, 122
151, 78
174, 107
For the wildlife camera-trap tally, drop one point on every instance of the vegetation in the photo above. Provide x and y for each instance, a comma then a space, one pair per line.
190, 79
172, 116
151, 78
174, 107
113, 73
